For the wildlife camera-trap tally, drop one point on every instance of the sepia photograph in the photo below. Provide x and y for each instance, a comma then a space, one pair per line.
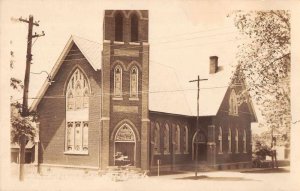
149, 95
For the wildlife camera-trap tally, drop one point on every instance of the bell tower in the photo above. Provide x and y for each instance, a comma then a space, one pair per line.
125, 86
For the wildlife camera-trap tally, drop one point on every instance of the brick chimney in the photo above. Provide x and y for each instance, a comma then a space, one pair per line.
213, 64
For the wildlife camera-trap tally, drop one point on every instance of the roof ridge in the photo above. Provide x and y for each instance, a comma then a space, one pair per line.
76, 36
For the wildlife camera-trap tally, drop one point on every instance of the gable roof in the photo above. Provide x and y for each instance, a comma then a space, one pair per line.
165, 93
90, 50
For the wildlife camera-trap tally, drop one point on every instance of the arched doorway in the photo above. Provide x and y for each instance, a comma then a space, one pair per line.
199, 146
124, 146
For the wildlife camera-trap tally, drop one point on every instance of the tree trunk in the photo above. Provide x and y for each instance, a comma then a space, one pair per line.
22, 143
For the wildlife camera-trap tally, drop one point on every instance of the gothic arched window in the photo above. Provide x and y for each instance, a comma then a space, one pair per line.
134, 82
77, 113
176, 139
156, 138
134, 28
233, 103
167, 139
220, 138
185, 140
244, 141
229, 140
118, 81
118, 27
236, 140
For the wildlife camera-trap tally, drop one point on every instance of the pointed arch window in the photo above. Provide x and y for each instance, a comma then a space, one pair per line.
176, 139
156, 138
77, 113
134, 82
118, 81
244, 142
236, 141
185, 140
166, 139
233, 104
134, 28
118, 27
229, 140
220, 138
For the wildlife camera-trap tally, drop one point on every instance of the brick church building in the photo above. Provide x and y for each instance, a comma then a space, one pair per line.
113, 107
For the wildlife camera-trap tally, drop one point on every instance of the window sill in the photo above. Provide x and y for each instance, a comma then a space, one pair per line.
186, 153
134, 99
119, 42
229, 152
76, 152
220, 153
117, 98
157, 153
167, 153
233, 114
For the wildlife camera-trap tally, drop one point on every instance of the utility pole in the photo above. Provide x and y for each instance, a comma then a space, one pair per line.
25, 112
197, 122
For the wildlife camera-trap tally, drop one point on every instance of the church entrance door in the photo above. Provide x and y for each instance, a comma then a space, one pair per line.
125, 146
199, 146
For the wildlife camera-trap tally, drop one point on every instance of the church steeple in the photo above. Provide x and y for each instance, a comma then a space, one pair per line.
125, 82
126, 25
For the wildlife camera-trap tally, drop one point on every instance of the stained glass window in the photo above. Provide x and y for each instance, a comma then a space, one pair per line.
233, 103
118, 81
77, 104
220, 140
166, 139
229, 140
244, 142
134, 82
236, 140
185, 139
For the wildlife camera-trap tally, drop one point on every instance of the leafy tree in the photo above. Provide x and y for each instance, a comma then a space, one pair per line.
264, 62
22, 128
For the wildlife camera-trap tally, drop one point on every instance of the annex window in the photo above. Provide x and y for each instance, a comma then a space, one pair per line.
176, 139
185, 140
156, 138
244, 142
229, 140
220, 138
77, 114
236, 140
118, 27
134, 82
134, 28
118, 81
166, 139
233, 104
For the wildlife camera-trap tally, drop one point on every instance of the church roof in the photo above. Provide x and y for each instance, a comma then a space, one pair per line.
165, 93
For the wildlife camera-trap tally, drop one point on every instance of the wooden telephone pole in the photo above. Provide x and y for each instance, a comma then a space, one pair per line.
25, 112
197, 123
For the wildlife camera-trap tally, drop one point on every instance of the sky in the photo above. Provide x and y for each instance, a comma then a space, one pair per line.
182, 35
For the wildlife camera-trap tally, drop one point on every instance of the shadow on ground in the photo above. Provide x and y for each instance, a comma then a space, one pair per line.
203, 177
166, 173
267, 170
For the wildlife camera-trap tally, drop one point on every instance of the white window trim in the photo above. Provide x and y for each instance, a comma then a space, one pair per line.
156, 127
220, 139
229, 141
137, 84
83, 112
245, 142
115, 97
186, 151
236, 141
233, 105
167, 128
